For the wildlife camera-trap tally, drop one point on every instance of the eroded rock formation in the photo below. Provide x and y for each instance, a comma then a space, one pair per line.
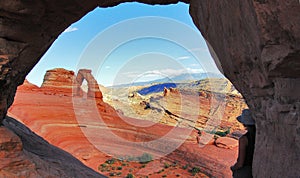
93, 87
27, 86
65, 82
24, 154
256, 42
59, 80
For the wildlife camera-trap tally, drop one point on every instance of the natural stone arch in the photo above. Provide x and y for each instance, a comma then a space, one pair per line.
257, 43
93, 87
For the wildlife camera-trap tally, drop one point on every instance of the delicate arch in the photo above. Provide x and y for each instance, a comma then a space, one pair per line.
93, 87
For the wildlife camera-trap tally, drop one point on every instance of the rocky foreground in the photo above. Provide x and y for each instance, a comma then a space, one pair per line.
25, 154
95, 133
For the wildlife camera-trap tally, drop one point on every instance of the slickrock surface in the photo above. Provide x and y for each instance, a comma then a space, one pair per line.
25, 154
54, 119
226, 142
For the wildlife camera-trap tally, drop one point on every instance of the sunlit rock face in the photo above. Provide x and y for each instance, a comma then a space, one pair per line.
256, 42
24, 154
93, 87
64, 82
59, 81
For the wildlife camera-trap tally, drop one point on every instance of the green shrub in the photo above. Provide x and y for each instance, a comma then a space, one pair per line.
160, 171
119, 168
220, 133
110, 161
129, 176
145, 158
103, 167
111, 174
166, 165
174, 163
185, 167
194, 170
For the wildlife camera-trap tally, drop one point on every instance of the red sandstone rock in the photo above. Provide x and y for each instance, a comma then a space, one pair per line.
166, 91
226, 142
174, 90
59, 81
64, 82
27, 86
61, 129
31, 156
93, 87
259, 55
59, 78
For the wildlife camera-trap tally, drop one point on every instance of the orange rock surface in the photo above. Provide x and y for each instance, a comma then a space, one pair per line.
72, 123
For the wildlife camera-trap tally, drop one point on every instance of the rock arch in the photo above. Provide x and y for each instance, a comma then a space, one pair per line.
257, 43
93, 87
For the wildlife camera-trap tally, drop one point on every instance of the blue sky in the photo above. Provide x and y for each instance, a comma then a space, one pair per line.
131, 42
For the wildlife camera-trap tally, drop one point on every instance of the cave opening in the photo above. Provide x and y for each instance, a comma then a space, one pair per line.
252, 53
150, 54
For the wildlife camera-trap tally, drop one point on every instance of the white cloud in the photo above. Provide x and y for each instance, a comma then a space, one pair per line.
70, 29
136, 76
199, 50
107, 67
183, 57
194, 71
164, 72
195, 65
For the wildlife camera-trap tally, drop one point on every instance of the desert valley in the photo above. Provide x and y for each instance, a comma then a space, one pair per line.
141, 131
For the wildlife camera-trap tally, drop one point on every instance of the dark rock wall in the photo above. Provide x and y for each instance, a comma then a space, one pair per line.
257, 43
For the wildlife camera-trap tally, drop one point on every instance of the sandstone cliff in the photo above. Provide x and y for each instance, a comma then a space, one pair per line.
27, 86
65, 82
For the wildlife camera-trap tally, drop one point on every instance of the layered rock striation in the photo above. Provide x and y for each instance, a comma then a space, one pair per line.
93, 131
254, 42
93, 87
59, 80
25, 154
65, 82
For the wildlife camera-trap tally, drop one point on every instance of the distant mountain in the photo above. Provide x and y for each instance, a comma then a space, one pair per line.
196, 76
177, 79
219, 85
156, 88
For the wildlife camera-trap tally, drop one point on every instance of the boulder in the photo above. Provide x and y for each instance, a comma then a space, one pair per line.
226, 142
